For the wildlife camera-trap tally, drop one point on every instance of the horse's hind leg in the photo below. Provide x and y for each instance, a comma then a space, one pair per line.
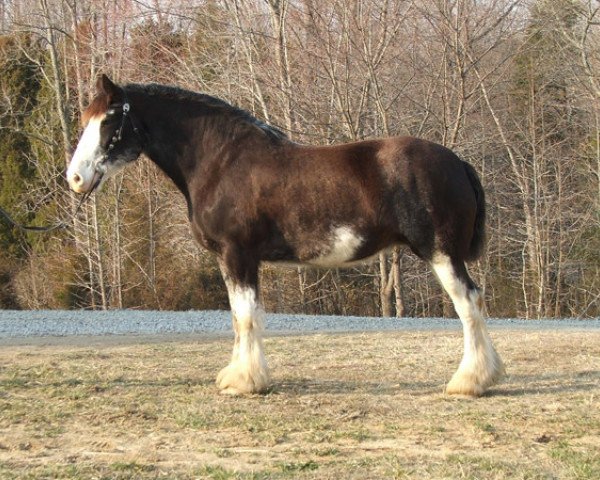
481, 366
248, 371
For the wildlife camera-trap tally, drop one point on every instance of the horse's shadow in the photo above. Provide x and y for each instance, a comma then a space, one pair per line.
311, 386
546, 384
510, 386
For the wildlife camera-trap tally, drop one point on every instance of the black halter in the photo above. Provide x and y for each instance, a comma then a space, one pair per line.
118, 135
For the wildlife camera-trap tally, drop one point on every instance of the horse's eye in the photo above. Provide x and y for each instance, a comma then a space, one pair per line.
110, 111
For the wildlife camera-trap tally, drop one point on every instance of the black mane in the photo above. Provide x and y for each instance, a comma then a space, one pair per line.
180, 94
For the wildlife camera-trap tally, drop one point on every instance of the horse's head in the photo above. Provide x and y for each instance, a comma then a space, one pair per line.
110, 139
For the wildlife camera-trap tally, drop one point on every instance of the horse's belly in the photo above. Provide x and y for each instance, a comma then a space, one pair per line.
338, 249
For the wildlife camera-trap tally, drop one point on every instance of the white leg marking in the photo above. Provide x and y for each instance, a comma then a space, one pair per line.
480, 366
80, 173
248, 371
345, 242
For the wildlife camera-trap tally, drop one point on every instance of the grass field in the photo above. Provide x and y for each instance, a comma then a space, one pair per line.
357, 406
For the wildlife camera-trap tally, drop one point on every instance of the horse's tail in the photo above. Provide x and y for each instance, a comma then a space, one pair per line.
478, 240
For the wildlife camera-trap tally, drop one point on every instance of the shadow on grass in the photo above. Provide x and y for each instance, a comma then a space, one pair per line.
522, 385
310, 386
104, 384
511, 386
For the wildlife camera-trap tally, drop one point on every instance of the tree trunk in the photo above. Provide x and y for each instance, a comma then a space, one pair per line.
57, 83
397, 276
386, 285
99, 255
117, 251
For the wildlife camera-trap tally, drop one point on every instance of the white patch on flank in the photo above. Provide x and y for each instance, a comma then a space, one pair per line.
344, 245
480, 366
80, 173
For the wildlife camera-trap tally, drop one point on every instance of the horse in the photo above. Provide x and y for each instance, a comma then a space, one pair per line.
255, 196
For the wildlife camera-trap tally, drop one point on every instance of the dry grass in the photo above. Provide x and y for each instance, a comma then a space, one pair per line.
342, 406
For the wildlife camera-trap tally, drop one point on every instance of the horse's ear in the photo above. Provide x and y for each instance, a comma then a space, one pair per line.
112, 90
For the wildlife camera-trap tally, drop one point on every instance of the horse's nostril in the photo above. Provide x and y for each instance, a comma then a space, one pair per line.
77, 178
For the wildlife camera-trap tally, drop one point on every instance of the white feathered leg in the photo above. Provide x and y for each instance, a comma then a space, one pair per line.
481, 365
248, 371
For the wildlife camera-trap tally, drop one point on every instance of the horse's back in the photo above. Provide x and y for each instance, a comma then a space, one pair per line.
396, 159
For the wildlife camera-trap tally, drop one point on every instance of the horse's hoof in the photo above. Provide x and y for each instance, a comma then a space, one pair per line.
237, 379
464, 385
475, 384
232, 392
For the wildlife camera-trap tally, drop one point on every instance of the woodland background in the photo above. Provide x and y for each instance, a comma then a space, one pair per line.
512, 86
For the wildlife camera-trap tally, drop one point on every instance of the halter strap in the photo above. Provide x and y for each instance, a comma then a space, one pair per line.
46, 228
118, 135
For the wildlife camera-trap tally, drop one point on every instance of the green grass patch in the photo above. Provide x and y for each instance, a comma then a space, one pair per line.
579, 464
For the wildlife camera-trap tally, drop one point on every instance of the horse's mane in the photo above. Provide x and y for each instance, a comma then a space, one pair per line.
207, 101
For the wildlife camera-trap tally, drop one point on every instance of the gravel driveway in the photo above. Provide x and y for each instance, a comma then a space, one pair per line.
18, 326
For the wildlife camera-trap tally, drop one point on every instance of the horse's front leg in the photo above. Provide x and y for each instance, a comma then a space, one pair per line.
248, 371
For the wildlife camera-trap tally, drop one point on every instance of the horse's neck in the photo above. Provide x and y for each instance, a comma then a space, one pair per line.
165, 147
191, 149
185, 147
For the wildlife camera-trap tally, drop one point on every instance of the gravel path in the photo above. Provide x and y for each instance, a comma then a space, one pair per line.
56, 323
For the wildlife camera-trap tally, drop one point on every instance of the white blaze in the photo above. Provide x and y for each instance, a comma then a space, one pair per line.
80, 173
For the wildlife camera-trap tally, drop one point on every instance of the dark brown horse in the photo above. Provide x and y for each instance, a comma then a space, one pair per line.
254, 196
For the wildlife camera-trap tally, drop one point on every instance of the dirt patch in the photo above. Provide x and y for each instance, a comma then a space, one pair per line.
342, 406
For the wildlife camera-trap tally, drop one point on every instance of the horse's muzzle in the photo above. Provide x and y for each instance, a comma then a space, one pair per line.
80, 184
